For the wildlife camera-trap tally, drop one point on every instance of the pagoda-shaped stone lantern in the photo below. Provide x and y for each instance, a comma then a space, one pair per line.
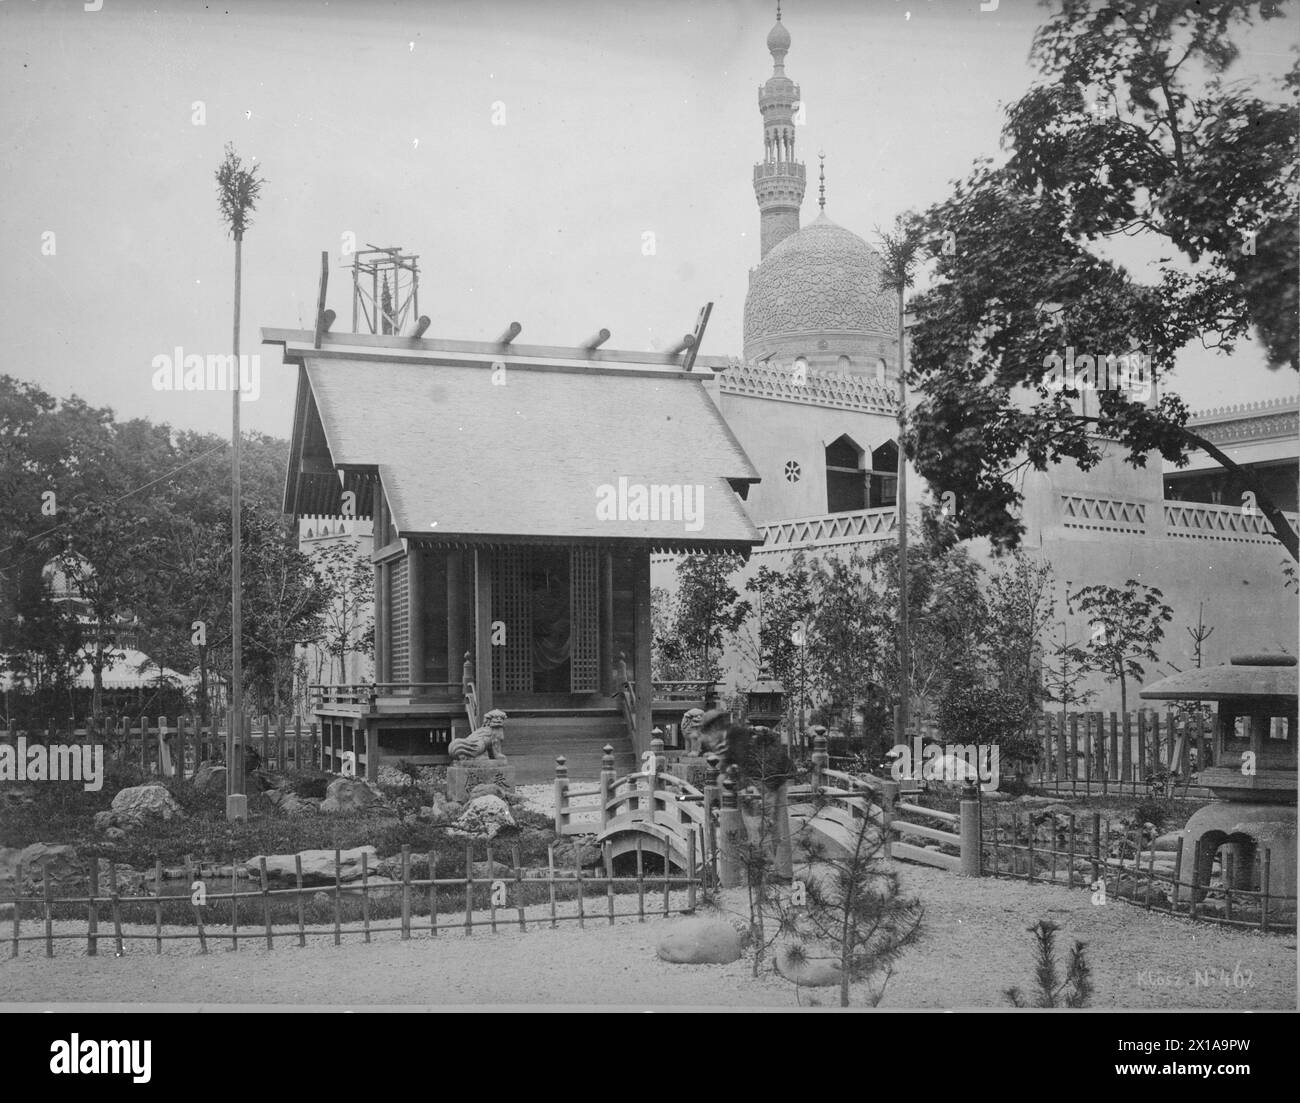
1253, 777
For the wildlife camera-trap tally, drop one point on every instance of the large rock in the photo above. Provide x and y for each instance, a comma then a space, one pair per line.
145, 802
484, 817
317, 865
69, 872
350, 794
491, 789
463, 777
699, 942
210, 777
817, 969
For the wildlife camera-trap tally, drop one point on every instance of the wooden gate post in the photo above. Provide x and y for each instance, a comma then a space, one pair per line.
607, 779
561, 794
731, 828
971, 858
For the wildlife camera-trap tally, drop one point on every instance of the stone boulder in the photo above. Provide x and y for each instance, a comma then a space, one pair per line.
491, 789
699, 942
483, 817
350, 794
818, 969
69, 872
145, 802
317, 866
210, 777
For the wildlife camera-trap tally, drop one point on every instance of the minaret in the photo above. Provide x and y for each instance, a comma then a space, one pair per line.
778, 178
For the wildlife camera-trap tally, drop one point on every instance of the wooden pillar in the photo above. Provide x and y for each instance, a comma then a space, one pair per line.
607, 623
455, 614
384, 670
641, 637
381, 624
483, 628
415, 614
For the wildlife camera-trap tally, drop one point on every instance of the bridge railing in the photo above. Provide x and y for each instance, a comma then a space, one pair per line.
652, 796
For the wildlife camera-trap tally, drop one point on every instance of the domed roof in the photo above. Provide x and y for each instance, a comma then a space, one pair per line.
778, 38
62, 574
822, 278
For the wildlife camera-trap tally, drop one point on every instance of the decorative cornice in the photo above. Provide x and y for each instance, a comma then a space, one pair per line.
838, 390
864, 526
1265, 420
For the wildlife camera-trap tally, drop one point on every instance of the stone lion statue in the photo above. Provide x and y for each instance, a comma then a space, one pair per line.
485, 742
691, 730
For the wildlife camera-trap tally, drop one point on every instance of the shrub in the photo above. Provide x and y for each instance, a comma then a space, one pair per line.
1073, 991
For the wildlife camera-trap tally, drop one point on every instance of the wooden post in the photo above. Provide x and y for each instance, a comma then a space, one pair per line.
640, 882
433, 895
731, 827
469, 888
1196, 879
561, 794
234, 904
1263, 884
642, 642
691, 874
18, 906
1229, 872
92, 919
577, 866
406, 892
820, 760
1178, 874
1151, 870
1139, 774
415, 556
608, 863
1112, 765
1070, 879
1074, 751
1096, 845
1029, 833
1126, 752
607, 779
196, 875
996, 867
157, 905
48, 896
297, 879
492, 878
550, 879
365, 894
483, 627
970, 830
517, 858
1060, 753
266, 902
338, 893
712, 793
115, 903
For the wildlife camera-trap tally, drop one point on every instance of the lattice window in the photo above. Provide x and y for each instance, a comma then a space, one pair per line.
584, 617
512, 662
399, 635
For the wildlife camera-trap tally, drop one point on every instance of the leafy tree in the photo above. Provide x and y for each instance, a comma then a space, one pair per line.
1113, 140
1126, 625
347, 586
846, 638
1021, 607
708, 609
784, 598
1067, 667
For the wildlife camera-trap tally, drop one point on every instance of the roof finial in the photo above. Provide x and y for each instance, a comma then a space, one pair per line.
778, 11
821, 188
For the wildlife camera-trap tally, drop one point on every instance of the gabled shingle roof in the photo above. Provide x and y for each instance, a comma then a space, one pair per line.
461, 456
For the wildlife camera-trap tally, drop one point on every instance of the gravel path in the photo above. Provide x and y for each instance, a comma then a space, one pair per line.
976, 945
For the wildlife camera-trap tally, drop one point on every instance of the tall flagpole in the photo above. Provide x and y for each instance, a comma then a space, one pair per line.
904, 642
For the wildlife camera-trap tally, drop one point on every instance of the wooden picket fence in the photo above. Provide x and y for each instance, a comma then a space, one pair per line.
176, 747
1041, 849
413, 892
1087, 752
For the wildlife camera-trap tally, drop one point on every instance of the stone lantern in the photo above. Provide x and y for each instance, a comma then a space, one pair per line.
1254, 774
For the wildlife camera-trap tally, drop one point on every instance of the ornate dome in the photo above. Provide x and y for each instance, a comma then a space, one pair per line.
778, 38
823, 278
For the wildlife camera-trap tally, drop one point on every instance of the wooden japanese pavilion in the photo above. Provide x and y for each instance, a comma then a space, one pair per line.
517, 493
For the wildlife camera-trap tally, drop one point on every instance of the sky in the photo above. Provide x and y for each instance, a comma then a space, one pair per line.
522, 150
